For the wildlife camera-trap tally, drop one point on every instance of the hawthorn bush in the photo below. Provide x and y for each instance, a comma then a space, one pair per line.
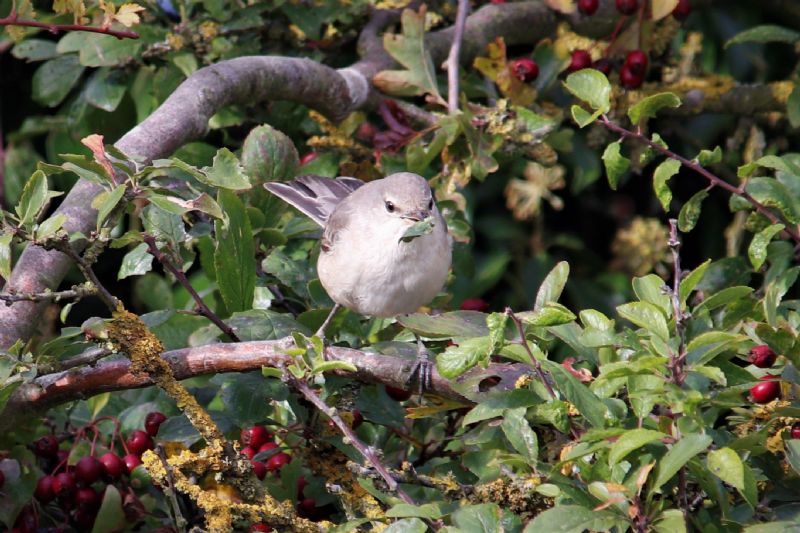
611, 354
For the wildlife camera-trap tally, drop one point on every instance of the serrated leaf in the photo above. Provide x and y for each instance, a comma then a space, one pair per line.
418, 229
109, 203
269, 155
33, 198
234, 255
225, 172
757, 251
591, 86
661, 176
456, 360
616, 164
765, 33
481, 518
648, 107
646, 316
553, 285
690, 212
630, 441
128, 14
680, 454
727, 465
519, 433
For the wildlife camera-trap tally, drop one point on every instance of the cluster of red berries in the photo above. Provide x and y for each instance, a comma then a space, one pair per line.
769, 389
78, 488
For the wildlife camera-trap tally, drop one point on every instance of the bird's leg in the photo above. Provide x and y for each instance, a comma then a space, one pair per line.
422, 371
321, 331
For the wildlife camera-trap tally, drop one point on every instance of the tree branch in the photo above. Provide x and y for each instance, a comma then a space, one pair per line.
48, 391
453, 57
13, 20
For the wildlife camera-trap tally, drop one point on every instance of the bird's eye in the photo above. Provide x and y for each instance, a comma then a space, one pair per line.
389, 206
430, 205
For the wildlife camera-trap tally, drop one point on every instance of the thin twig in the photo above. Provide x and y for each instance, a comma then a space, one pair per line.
203, 309
713, 179
453, 57
13, 20
87, 271
676, 364
75, 293
351, 437
89, 357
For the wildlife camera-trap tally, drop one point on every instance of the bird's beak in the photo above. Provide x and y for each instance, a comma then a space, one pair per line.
417, 216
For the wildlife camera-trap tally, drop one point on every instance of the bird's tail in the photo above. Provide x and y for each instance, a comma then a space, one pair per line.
314, 195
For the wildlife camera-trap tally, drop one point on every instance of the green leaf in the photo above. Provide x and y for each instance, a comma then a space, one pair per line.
723, 297
709, 157
136, 262
691, 280
552, 314
410, 51
616, 164
773, 193
757, 251
431, 511
234, 256
106, 88
793, 106
98, 50
765, 34
482, 518
456, 360
55, 78
33, 198
578, 394
690, 212
661, 176
498, 404
793, 453
248, 398
34, 50
651, 288
727, 465
519, 433
496, 322
110, 201
110, 517
328, 366
670, 521
553, 285
269, 155
648, 107
591, 86
5, 255
50, 226
647, 316
446, 325
407, 525
680, 454
582, 117
571, 519
225, 172
632, 440
418, 229
783, 164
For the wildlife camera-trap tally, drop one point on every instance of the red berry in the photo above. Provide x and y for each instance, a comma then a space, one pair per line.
358, 419
27, 520
580, 59
259, 469
83, 518
278, 461
475, 304
301, 486
682, 10
46, 446
260, 527
267, 446
307, 504
307, 158
765, 391
139, 442
628, 79
64, 485
603, 65
795, 432
525, 69
588, 7
152, 422
762, 356
87, 498
44, 489
397, 394
636, 61
254, 436
248, 452
113, 467
131, 461
627, 7
88, 470
60, 462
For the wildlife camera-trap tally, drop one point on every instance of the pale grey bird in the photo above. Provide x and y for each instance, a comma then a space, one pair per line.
365, 263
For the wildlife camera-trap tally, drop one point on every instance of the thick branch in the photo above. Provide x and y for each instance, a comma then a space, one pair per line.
80, 383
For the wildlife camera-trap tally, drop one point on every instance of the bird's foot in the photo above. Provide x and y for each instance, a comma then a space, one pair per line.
421, 372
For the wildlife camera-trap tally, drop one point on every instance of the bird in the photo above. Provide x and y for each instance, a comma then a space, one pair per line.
368, 263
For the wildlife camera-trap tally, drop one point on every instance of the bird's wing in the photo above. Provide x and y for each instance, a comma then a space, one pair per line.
314, 195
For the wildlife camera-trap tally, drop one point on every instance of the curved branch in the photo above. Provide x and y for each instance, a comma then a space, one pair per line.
51, 390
